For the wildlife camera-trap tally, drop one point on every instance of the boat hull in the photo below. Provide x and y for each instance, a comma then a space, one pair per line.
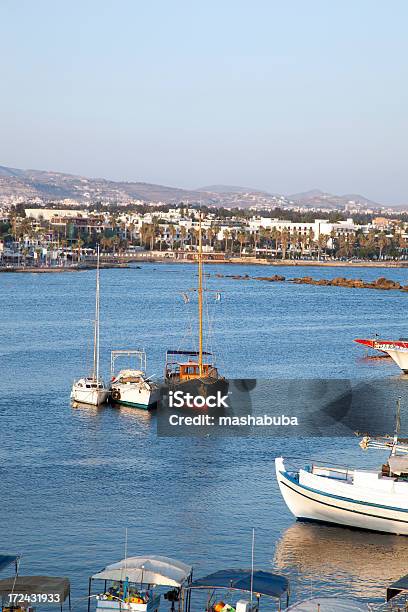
204, 387
397, 350
92, 397
135, 397
316, 505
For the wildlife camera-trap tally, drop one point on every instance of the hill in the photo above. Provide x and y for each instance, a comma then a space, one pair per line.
57, 185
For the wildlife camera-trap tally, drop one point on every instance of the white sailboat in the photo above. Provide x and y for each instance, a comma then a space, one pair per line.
367, 499
92, 389
131, 387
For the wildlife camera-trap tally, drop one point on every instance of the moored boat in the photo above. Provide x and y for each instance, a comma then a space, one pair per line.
396, 349
367, 499
133, 584
131, 387
92, 389
194, 371
246, 586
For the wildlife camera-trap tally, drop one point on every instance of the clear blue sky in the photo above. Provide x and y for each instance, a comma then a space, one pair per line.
283, 95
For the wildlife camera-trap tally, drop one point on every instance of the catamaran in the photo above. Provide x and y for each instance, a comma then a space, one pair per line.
131, 387
367, 499
396, 349
92, 389
189, 370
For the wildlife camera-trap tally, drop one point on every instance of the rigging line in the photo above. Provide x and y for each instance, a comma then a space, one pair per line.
189, 329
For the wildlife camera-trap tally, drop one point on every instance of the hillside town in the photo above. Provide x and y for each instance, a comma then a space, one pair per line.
55, 236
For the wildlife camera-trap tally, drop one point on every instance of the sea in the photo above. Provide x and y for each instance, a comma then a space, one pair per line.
80, 486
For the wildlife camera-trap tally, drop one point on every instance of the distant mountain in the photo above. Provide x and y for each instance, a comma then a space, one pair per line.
54, 186
220, 189
57, 185
307, 195
316, 198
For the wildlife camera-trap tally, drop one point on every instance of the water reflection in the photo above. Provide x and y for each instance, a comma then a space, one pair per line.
334, 560
143, 418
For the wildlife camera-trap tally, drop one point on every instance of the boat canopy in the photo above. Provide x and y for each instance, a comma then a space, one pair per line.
155, 569
397, 587
36, 585
264, 583
6, 560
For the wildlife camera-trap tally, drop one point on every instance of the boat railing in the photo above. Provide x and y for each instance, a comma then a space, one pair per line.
314, 465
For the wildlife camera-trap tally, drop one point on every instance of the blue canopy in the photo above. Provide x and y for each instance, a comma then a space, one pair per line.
191, 353
6, 560
264, 583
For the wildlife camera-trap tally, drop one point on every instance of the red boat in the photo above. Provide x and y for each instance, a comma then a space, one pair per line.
396, 349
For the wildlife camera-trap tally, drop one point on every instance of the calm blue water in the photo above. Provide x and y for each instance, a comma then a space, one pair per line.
72, 480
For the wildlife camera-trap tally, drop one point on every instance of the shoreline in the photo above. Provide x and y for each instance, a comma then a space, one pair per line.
56, 270
126, 263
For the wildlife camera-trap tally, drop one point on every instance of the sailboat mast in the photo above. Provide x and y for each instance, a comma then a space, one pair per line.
200, 297
95, 373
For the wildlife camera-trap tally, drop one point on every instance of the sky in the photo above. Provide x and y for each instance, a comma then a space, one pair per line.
281, 95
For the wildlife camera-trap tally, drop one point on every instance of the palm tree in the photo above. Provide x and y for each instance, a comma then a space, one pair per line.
226, 234
382, 242
172, 231
241, 240
284, 243
183, 235
311, 240
322, 244
276, 236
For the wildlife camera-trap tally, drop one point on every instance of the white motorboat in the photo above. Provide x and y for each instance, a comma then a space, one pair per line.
367, 499
92, 389
131, 387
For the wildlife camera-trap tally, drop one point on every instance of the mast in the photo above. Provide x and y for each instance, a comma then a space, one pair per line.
397, 427
200, 298
95, 374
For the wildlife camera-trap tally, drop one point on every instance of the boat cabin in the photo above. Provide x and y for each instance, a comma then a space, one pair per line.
89, 383
181, 371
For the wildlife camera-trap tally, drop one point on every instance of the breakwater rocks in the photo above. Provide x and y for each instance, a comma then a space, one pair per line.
382, 283
353, 283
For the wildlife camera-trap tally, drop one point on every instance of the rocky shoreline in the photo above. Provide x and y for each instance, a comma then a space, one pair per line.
382, 283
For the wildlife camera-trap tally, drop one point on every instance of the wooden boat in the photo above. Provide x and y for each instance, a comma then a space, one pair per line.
194, 371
